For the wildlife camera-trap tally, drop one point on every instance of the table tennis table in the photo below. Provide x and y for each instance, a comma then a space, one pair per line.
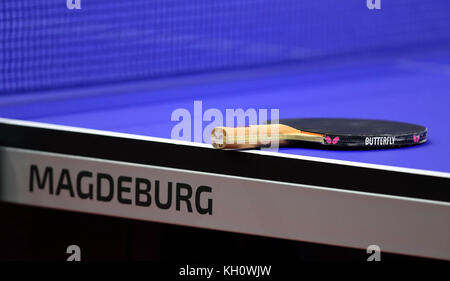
91, 151
108, 151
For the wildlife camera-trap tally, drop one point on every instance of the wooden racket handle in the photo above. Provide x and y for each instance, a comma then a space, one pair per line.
251, 136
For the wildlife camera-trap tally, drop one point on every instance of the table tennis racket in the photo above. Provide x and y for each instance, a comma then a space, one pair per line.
331, 132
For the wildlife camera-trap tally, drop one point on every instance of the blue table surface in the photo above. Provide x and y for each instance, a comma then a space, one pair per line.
413, 88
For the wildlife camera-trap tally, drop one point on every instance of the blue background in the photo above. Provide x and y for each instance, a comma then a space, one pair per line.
125, 66
44, 45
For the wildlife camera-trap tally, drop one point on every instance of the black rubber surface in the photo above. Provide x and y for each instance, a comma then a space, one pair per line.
361, 132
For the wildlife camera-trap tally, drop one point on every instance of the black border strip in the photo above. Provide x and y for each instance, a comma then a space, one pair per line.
267, 167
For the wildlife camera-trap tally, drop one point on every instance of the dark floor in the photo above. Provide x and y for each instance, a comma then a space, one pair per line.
29, 233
